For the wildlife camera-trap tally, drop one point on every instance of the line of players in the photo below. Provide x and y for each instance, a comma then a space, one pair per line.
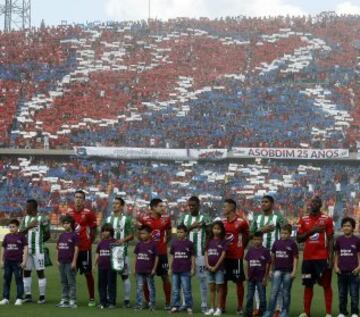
316, 231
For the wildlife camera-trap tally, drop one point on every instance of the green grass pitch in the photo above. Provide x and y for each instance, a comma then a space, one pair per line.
54, 291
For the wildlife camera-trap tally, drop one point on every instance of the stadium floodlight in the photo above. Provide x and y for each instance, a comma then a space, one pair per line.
16, 14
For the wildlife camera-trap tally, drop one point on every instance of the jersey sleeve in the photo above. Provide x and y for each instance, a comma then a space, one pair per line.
91, 220
330, 227
181, 219
281, 220
301, 227
253, 227
129, 227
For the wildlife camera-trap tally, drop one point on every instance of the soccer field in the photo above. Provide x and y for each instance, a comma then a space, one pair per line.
54, 291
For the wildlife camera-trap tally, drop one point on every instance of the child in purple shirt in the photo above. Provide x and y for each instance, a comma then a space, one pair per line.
284, 264
259, 261
145, 266
68, 250
14, 254
347, 267
182, 267
106, 274
214, 261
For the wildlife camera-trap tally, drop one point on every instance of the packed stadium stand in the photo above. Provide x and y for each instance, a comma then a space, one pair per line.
185, 83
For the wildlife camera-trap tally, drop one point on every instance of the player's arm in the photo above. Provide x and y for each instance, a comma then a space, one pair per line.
303, 235
92, 226
295, 265
24, 229
267, 270
271, 269
245, 234
336, 261
153, 271
357, 270
96, 262
171, 260
2, 260
193, 264
74, 260
25, 256
47, 233
206, 260
129, 229
330, 238
253, 228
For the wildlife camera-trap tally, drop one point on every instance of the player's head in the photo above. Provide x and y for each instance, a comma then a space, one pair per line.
118, 205
229, 207
107, 231
285, 231
257, 239
267, 203
79, 199
315, 205
155, 205
181, 231
194, 205
67, 222
31, 207
14, 225
348, 225
144, 233
217, 230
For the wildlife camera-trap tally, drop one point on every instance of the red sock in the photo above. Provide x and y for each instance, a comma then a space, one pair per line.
167, 292
223, 297
90, 285
146, 293
328, 299
240, 294
308, 295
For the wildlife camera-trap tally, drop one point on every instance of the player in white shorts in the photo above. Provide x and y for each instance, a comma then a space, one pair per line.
37, 230
123, 233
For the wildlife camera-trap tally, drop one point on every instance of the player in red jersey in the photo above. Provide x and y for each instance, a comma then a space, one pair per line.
160, 224
316, 231
237, 235
85, 227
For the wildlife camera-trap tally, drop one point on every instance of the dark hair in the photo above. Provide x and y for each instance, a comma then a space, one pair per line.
122, 201
231, 202
222, 227
154, 202
287, 227
33, 202
195, 199
348, 219
182, 227
67, 219
14, 222
145, 228
258, 234
269, 198
107, 227
79, 191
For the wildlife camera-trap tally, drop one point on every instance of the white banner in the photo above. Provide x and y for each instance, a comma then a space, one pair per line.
290, 153
132, 153
208, 154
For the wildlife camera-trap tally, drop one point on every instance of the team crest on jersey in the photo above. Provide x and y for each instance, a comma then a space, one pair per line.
229, 237
314, 237
155, 235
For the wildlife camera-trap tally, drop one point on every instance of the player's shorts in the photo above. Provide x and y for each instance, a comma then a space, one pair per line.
201, 271
35, 261
216, 277
315, 271
234, 270
163, 265
127, 269
84, 262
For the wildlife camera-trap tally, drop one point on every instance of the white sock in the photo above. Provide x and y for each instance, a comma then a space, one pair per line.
27, 285
42, 286
127, 289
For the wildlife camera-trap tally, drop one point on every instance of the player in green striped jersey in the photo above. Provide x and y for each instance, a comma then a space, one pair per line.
197, 224
123, 233
269, 223
37, 230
